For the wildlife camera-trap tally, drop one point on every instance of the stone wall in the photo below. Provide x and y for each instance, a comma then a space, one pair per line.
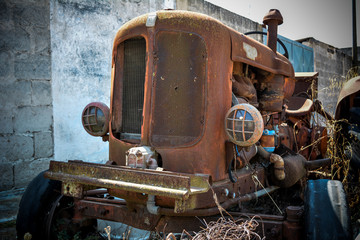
332, 65
26, 119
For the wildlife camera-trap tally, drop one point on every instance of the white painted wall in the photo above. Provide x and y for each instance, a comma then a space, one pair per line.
82, 34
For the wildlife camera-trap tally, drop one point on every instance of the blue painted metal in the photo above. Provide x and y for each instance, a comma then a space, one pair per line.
268, 132
300, 56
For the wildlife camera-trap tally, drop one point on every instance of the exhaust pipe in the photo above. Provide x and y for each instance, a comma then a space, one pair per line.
272, 20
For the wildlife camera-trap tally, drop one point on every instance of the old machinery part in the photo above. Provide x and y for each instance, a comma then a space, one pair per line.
246, 154
150, 205
319, 138
141, 157
286, 136
294, 168
272, 19
241, 159
214, 210
271, 93
278, 162
244, 125
242, 86
293, 228
286, 52
313, 164
234, 100
267, 140
263, 153
95, 119
151, 19
289, 87
289, 169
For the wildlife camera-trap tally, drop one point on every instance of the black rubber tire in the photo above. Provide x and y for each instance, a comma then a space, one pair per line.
326, 211
34, 206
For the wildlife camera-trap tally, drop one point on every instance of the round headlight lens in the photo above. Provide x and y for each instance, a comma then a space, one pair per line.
244, 124
95, 119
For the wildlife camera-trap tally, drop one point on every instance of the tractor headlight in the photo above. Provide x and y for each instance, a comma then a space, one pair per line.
95, 119
244, 124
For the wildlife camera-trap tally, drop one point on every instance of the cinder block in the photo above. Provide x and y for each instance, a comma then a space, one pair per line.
6, 124
33, 119
15, 39
42, 39
4, 11
6, 176
41, 93
5, 64
33, 168
15, 94
15, 147
32, 66
26, 15
44, 146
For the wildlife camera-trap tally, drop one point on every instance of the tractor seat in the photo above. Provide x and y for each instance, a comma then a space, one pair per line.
298, 106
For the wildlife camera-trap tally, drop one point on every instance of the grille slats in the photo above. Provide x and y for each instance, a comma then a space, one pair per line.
133, 85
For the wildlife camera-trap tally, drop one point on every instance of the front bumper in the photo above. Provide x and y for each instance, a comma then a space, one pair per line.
77, 176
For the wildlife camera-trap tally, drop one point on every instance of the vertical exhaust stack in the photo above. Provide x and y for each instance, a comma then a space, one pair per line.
272, 19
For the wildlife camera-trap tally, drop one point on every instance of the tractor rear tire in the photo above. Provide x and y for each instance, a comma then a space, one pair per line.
326, 211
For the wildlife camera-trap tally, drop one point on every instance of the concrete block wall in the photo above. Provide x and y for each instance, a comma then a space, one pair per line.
26, 122
332, 65
230, 19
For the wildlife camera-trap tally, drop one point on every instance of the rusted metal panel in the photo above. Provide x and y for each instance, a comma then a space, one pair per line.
293, 227
249, 51
306, 84
218, 100
272, 93
349, 88
179, 89
139, 218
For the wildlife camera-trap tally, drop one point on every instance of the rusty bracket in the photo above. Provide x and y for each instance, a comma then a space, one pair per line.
76, 174
72, 189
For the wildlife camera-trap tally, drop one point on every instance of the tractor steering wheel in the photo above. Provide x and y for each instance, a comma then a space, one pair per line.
286, 54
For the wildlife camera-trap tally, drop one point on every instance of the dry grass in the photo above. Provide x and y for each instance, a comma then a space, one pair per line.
340, 152
228, 228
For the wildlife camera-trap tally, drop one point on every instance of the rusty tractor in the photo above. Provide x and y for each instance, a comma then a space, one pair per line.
201, 118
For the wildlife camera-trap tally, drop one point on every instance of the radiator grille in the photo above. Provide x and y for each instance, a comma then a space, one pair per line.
133, 85
180, 79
